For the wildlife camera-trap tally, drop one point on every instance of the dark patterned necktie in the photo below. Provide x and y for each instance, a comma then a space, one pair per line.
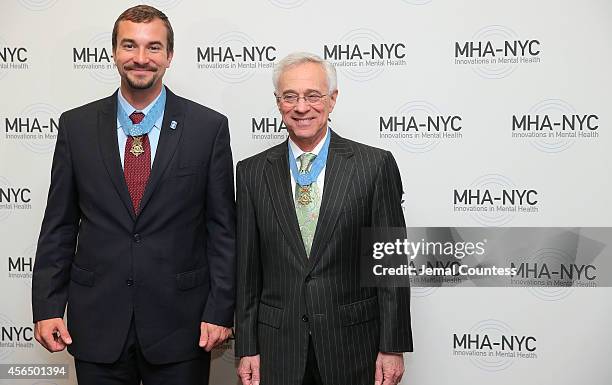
137, 163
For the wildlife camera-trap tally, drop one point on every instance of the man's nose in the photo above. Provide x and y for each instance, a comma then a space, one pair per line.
141, 56
302, 105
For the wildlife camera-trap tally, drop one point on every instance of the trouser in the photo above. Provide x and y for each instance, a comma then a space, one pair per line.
131, 368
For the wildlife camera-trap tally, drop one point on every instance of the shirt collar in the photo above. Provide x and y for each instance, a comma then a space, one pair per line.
128, 107
297, 151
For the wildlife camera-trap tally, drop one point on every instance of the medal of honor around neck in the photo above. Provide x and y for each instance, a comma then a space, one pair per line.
137, 147
144, 127
309, 177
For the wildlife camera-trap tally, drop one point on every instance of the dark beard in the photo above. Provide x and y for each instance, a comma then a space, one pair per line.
140, 86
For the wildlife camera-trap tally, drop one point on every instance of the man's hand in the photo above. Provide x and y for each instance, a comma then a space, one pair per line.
52, 334
389, 368
212, 335
248, 370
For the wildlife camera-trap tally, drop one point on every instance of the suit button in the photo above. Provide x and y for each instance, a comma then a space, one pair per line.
129, 282
137, 238
304, 318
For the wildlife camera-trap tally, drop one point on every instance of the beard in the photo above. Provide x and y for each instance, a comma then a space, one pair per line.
141, 84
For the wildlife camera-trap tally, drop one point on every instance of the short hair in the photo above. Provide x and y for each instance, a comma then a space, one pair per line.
144, 14
297, 58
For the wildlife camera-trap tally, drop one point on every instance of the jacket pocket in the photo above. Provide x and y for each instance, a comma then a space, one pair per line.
82, 276
191, 279
184, 171
359, 312
270, 315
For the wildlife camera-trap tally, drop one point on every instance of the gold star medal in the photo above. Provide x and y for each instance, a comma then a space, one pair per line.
304, 197
137, 148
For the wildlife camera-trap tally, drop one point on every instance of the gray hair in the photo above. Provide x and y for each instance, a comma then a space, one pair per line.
301, 58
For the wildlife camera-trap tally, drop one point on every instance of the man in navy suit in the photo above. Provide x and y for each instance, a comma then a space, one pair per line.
138, 237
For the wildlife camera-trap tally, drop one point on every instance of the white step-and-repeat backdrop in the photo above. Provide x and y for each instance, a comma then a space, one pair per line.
475, 97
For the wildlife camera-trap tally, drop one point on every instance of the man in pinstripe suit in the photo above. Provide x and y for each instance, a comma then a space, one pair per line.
302, 316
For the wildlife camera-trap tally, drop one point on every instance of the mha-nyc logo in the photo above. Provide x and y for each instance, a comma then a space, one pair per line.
234, 57
14, 337
13, 198
268, 128
20, 267
12, 58
492, 345
496, 51
96, 58
555, 274
362, 54
494, 200
35, 127
419, 126
556, 267
554, 125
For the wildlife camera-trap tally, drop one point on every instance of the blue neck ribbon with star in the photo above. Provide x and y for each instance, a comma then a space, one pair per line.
307, 178
149, 120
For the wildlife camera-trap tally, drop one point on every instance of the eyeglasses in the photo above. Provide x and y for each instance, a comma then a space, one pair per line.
293, 99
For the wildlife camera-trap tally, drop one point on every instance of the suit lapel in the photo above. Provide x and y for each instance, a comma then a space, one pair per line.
279, 185
107, 139
166, 147
338, 174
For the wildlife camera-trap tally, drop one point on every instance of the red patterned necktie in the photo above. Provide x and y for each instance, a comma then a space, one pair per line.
136, 164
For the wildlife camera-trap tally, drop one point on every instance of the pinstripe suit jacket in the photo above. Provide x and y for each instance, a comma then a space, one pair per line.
284, 296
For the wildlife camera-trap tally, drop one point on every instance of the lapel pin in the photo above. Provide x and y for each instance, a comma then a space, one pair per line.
173, 124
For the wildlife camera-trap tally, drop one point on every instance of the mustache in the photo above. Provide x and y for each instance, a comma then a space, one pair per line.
138, 67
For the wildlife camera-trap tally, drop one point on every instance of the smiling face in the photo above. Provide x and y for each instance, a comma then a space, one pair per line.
142, 55
306, 123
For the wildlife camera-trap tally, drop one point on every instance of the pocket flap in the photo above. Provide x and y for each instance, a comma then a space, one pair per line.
82, 276
359, 312
190, 279
184, 171
270, 315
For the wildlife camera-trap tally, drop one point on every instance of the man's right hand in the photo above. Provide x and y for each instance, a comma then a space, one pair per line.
248, 370
52, 334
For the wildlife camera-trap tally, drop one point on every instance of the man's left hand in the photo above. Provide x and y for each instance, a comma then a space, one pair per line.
212, 335
389, 368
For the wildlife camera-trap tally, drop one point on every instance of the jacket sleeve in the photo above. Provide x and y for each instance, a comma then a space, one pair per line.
249, 270
393, 302
58, 234
221, 232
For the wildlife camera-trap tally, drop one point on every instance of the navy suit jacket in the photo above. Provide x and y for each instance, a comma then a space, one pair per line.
167, 268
